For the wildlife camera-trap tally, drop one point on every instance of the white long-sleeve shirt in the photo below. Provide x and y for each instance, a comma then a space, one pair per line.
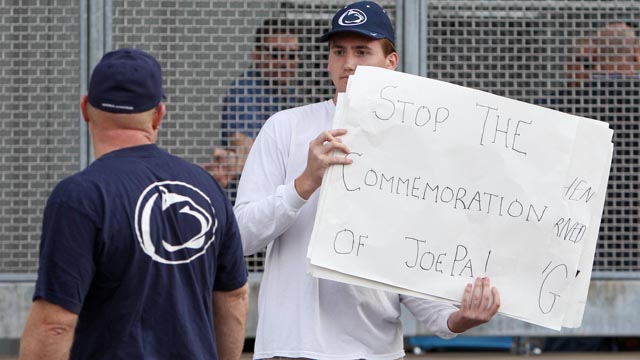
300, 315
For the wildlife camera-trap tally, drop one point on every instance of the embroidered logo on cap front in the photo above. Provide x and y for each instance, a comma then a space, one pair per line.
352, 17
168, 210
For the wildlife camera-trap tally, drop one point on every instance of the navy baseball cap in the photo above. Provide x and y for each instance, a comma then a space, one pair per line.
363, 17
126, 81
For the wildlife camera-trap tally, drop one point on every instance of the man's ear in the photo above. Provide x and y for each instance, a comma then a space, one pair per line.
392, 61
84, 103
158, 115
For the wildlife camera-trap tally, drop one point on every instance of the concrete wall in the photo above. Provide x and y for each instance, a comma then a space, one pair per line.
611, 311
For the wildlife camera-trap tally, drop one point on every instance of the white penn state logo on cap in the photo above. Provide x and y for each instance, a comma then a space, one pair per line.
352, 17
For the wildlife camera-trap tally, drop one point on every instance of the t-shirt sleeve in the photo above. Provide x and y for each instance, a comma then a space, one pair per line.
66, 256
231, 273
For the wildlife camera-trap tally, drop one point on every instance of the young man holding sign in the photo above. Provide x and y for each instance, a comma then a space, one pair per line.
306, 317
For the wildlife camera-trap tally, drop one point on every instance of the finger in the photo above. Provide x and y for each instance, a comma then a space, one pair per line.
486, 293
337, 132
323, 137
219, 152
335, 145
329, 135
477, 292
496, 300
220, 178
221, 158
339, 160
466, 298
347, 160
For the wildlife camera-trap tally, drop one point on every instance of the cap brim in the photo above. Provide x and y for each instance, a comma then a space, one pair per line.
368, 34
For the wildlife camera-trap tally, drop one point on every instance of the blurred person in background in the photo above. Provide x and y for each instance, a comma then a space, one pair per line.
617, 51
603, 84
266, 88
614, 52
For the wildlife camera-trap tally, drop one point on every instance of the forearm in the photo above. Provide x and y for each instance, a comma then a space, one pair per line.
262, 220
45, 343
434, 315
229, 321
305, 186
47, 334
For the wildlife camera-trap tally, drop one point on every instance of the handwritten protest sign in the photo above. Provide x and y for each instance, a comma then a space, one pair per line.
450, 183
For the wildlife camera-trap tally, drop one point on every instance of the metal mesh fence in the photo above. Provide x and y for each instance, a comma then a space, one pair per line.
39, 136
228, 66
211, 59
574, 56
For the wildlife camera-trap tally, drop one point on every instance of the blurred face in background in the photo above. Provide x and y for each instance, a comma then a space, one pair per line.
277, 58
614, 50
580, 64
617, 50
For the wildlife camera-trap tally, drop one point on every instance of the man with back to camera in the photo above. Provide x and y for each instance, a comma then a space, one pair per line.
262, 91
140, 256
305, 317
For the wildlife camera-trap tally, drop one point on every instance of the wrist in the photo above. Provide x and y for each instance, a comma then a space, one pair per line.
453, 322
304, 186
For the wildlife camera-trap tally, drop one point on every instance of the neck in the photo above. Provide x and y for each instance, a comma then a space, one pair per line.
117, 139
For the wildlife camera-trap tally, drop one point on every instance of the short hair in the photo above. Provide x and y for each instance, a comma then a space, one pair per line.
388, 47
618, 34
272, 27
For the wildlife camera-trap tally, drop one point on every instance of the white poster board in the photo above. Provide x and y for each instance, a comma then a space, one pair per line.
450, 183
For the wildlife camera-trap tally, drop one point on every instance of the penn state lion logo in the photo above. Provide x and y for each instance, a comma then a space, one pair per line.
180, 208
352, 17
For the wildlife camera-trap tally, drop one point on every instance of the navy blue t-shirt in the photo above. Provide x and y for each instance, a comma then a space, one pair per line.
135, 244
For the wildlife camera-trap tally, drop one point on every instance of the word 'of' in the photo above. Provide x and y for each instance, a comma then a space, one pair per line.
344, 242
